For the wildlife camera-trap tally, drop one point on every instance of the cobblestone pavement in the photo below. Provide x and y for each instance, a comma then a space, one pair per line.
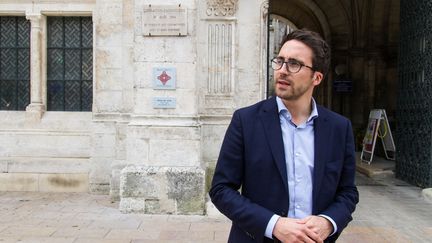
389, 211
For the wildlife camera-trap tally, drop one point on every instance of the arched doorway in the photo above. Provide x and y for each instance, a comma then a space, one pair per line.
278, 28
364, 37
286, 16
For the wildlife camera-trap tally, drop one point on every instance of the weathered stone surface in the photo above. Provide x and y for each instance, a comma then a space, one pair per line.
123, 128
154, 190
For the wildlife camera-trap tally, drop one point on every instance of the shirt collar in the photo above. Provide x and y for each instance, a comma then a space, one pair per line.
282, 107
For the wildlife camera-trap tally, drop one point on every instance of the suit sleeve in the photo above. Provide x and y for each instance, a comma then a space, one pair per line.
347, 195
227, 180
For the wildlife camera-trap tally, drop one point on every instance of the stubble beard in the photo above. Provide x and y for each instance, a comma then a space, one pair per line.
290, 93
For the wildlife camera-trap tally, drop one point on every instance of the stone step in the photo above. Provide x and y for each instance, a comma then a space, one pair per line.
44, 182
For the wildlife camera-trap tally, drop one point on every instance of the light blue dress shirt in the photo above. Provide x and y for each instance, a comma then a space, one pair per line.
299, 157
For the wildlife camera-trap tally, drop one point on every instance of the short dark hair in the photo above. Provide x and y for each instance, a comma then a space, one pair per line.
320, 48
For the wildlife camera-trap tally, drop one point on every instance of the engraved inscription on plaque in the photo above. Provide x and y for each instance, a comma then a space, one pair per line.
164, 103
164, 20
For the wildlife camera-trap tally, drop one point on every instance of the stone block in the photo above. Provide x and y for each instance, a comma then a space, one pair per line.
212, 140
109, 79
210, 169
4, 165
112, 9
45, 165
99, 188
63, 182
174, 133
174, 152
108, 57
185, 102
169, 50
427, 194
45, 144
137, 152
100, 170
108, 101
109, 34
162, 190
104, 145
19, 182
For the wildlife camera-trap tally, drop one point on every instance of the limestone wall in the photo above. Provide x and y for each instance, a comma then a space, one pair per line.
218, 67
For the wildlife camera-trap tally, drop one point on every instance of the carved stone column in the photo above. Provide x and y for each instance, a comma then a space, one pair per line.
220, 23
36, 107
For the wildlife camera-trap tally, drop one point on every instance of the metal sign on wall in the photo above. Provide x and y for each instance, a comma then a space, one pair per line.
164, 78
164, 20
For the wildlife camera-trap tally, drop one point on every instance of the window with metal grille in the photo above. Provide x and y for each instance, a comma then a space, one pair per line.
14, 63
70, 66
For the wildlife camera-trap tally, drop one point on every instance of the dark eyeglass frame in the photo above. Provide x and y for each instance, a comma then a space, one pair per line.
288, 65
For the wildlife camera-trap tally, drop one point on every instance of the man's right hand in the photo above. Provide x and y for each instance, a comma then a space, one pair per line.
294, 230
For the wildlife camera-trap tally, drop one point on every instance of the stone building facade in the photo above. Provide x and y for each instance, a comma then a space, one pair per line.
112, 129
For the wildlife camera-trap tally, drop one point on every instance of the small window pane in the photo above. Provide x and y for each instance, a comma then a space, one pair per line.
14, 63
55, 32
87, 67
8, 101
72, 32
55, 64
8, 64
23, 64
87, 33
72, 95
8, 32
70, 63
55, 95
23, 33
23, 90
87, 95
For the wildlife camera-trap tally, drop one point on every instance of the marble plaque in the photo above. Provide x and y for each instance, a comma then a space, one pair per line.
164, 20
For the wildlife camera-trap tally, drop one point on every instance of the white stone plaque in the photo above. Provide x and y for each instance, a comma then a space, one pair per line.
164, 20
164, 103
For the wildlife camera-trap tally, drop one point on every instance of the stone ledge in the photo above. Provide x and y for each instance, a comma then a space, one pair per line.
162, 190
427, 194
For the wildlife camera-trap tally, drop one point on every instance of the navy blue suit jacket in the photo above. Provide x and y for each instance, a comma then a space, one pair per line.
252, 158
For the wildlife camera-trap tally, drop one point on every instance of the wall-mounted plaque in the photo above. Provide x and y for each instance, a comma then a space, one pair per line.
164, 78
164, 102
164, 20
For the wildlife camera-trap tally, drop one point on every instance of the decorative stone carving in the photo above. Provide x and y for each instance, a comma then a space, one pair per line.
221, 8
220, 58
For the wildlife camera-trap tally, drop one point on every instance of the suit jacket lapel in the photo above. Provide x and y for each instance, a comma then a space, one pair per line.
270, 119
321, 136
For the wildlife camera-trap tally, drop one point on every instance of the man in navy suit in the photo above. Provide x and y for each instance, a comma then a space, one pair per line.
293, 159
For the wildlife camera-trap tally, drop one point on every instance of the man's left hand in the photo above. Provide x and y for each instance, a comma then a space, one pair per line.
320, 225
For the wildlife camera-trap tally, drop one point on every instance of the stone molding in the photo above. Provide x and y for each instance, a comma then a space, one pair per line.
221, 8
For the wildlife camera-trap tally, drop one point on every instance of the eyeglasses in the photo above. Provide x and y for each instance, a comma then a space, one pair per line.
292, 66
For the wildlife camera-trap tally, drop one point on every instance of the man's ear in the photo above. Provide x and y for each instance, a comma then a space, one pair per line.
317, 78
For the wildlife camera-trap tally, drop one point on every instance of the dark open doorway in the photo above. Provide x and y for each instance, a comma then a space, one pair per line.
364, 37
